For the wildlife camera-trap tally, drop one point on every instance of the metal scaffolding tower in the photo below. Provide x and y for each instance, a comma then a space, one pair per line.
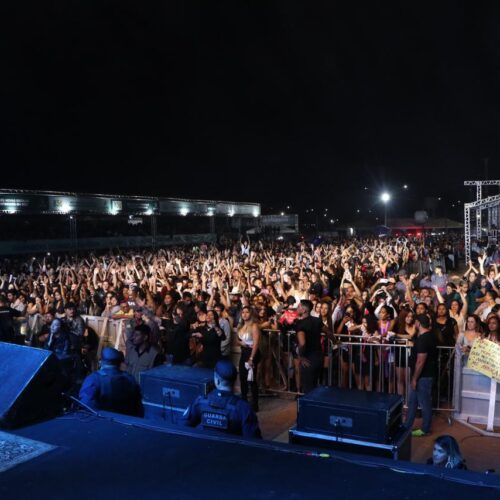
491, 205
479, 196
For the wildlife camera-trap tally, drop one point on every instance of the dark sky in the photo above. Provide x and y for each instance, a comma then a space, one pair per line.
299, 102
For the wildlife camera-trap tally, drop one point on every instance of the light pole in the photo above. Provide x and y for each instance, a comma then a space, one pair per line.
385, 197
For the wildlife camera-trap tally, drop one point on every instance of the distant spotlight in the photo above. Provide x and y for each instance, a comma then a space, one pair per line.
282, 213
439, 199
385, 197
366, 189
288, 207
405, 186
331, 221
65, 207
358, 210
184, 211
115, 207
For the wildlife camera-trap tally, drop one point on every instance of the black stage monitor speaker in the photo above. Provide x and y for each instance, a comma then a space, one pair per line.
30, 385
371, 416
398, 449
173, 387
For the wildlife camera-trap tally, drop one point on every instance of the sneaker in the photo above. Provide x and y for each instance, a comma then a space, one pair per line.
419, 433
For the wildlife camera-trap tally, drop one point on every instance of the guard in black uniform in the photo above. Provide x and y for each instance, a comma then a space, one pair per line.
112, 389
221, 410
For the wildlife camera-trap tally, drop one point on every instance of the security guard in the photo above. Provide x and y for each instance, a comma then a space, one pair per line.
221, 410
112, 389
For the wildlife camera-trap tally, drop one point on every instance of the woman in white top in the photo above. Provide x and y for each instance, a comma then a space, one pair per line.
489, 303
298, 290
466, 339
248, 340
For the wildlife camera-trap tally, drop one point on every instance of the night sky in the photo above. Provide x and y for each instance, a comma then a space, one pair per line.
280, 102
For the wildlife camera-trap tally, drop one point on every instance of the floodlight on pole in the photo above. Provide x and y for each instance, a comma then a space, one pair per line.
385, 197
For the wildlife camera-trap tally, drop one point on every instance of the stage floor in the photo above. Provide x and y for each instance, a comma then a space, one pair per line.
481, 452
98, 458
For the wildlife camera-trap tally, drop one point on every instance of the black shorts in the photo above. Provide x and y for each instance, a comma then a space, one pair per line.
400, 357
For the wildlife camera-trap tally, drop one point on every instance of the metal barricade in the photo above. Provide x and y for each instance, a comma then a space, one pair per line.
447, 377
371, 366
384, 367
277, 350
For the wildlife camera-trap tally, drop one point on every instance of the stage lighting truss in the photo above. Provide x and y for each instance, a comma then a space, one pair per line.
491, 205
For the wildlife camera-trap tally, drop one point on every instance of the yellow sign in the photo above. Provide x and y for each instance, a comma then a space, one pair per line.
484, 357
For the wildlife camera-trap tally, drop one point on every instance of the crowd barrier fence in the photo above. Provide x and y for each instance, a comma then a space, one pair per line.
349, 362
354, 364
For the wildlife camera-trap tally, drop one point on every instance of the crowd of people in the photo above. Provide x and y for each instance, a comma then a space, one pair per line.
195, 305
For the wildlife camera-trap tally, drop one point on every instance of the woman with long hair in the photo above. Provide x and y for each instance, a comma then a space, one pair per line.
267, 321
446, 453
57, 302
493, 328
446, 327
466, 339
385, 329
325, 315
458, 312
364, 356
346, 352
487, 305
248, 339
167, 306
407, 332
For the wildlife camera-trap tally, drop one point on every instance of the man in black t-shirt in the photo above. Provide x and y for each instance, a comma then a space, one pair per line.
423, 366
308, 330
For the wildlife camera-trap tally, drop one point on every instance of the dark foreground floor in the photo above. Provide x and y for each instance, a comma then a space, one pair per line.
98, 458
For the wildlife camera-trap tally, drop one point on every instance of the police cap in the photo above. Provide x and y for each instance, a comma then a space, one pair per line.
226, 370
111, 355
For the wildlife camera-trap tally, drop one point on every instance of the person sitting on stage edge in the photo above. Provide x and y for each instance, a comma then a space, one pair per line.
221, 410
446, 453
112, 389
